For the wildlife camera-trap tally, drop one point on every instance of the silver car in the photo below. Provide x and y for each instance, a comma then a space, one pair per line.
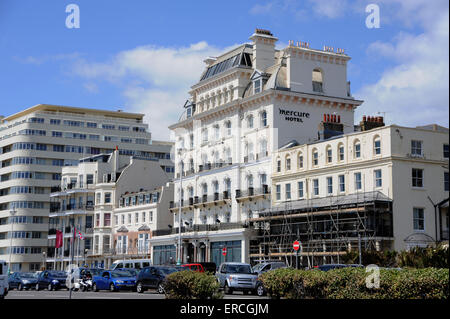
237, 276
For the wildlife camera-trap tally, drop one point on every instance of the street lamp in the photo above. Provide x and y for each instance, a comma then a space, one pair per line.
43, 263
180, 152
12, 212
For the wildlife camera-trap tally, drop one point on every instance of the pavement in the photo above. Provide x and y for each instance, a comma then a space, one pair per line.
64, 294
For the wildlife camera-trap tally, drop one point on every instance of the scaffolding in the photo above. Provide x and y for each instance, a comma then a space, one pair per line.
326, 227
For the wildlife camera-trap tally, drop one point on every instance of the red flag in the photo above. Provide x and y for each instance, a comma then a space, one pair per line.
80, 235
59, 239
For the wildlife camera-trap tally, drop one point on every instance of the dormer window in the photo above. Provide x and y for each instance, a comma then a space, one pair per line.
317, 80
257, 86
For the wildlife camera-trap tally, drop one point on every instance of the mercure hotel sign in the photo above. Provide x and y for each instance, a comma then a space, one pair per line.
293, 116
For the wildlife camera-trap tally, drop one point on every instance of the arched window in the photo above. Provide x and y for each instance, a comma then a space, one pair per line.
377, 145
228, 155
227, 184
317, 80
300, 160
357, 149
278, 165
228, 128
329, 154
288, 163
263, 119
315, 157
341, 151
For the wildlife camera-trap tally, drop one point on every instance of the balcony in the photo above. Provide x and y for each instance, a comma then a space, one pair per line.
252, 193
199, 228
57, 208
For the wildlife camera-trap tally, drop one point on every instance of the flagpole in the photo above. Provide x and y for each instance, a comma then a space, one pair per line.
71, 261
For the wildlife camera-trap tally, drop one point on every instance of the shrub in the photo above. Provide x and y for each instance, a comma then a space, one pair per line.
419, 257
350, 283
191, 285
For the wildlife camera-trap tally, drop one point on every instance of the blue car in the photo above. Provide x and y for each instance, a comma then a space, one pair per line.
22, 280
114, 280
51, 279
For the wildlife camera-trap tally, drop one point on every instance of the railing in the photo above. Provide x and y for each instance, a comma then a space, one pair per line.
69, 207
199, 227
264, 190
199, 200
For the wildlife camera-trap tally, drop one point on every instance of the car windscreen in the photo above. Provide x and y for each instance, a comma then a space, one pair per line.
58, 274
96, 272
239, 269
169, 270
27, 275
122, 273
258, 267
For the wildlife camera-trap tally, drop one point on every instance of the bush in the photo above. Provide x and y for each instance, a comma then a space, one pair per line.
191, 285
350, 283
419, 257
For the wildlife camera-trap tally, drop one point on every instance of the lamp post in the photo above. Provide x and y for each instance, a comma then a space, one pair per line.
12, 212
179, 261
43, 263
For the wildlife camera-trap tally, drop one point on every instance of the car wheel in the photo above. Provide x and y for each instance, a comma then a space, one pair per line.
20, 287
160, 288
260, 290
139, 288
112, 288
227, 290
94, 287
36, 287
49, 287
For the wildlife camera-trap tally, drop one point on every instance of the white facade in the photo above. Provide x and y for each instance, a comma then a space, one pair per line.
34, 145
248, 102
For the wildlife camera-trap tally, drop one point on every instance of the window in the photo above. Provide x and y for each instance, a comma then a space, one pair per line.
317, 80
316, 187
107, 198
341, 183
341, 152
288, 163
418, 219
278, 192
300, 190
378, 179
257, 86
330, 185
446, 182
56, 134
446, 150
416, 148
377, 146
91, 125
315, 158
329, 155
55, 121
417, 177
136, 218
129, 219
300, 161
264, 119
228, 127
263, 179
358, 184
205, 135
107, 219
357, 149
278, 165
288, 191
250, 181
250, 121
216, 132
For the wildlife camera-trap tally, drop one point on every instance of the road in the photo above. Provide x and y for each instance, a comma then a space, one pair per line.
64, 294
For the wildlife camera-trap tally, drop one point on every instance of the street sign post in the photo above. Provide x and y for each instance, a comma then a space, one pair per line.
296, 245
224, 251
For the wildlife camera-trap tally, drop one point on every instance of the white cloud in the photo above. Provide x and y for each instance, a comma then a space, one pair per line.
153, 80
415, 91
329, 8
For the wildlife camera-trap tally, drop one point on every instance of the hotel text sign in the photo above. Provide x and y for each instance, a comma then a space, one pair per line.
294, 116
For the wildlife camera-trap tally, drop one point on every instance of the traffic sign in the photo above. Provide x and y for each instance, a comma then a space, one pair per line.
296, 245
224, 251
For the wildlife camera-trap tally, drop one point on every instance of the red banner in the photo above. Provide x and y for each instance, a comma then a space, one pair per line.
59, 239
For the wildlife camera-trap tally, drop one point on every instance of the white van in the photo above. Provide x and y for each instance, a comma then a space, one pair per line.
131, 263
3, 279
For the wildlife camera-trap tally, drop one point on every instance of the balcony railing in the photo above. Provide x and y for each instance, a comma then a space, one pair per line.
201, 200
199, 227
69, 207
264, 190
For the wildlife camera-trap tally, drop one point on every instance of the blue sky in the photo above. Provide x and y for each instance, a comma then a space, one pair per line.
143, 56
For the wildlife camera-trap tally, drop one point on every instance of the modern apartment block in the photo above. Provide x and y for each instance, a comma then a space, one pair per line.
376, 187
34, 146
132, 190
248, 102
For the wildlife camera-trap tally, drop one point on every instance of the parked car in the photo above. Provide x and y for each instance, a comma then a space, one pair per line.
131, 263
22, 280
133, 271
237, 276
262, 268
3, 279
114, 280
194, 267
154, 277
209, 267
51, 279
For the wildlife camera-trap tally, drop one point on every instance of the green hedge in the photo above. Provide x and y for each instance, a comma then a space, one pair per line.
350, 283
191, 285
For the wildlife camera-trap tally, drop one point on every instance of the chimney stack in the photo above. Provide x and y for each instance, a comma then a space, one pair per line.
330, 126
263, 49
371, 122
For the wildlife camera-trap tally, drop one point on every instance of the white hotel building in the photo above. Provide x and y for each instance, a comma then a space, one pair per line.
248, 102
34, 146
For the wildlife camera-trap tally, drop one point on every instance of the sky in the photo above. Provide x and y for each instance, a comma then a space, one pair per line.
143, 56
